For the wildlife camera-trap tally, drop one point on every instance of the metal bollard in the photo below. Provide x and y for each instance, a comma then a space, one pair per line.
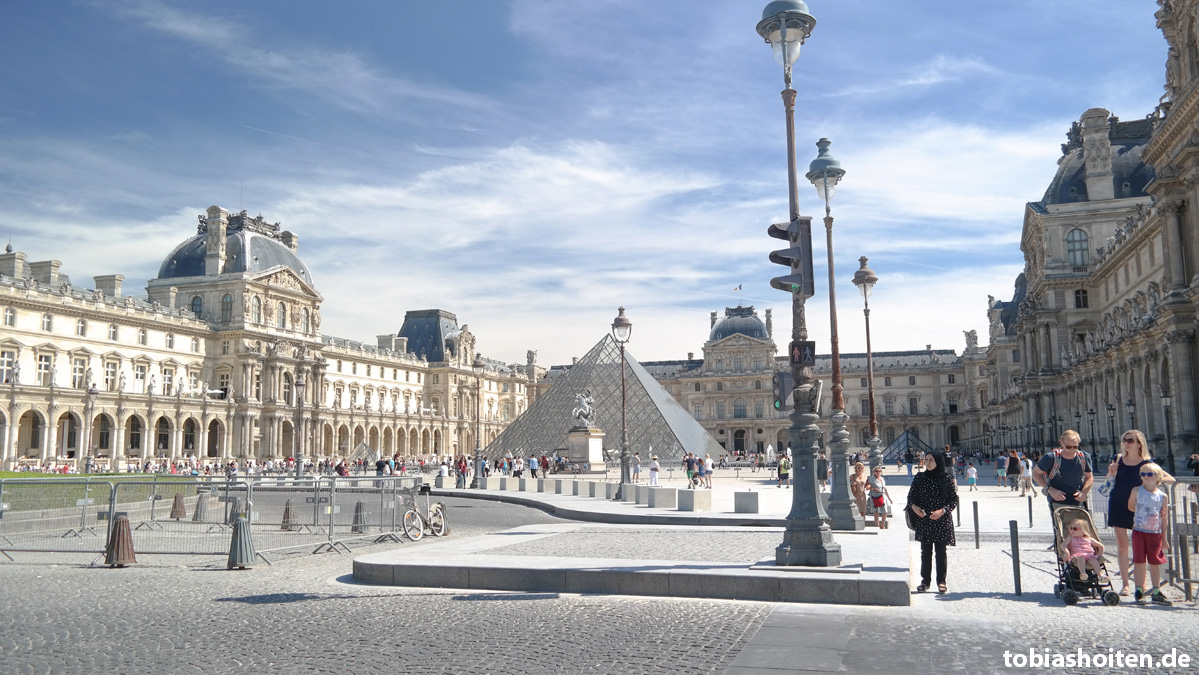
976, 536
1030, 511
1015, 554
958, 513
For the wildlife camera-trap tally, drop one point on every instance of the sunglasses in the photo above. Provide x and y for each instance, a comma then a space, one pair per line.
1074, 528
1130, 440
1070, 447
1146, 474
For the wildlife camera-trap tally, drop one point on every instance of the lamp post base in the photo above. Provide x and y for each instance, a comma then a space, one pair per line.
808, 545
841, 506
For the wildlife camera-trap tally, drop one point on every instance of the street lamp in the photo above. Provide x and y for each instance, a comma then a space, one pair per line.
298, 456
1131, 406
786, 24
622, 330
1091, 414
1111, 421
825, 173
1168, 399
865, 279
1077, 420
478, 366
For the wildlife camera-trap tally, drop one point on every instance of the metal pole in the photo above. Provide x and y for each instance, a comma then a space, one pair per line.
1015, 554
1030, 510
977, 542
625, 477
478, 430
843, 509
876, 455
1169, 443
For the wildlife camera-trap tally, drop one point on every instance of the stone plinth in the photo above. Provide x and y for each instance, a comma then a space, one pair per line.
642, 493
745, 502
523, 484
628, 495
664, 498
541, 485
439, 482
610, 490
585, 445
696, 500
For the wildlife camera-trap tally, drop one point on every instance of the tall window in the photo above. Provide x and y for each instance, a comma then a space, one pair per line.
282, 316
112, 332
78, 369
7, 361
759, 409
256, 309
170, 340
287, 388
911, 380
306, 322
226, 308
889, 406
953, 403
81, 327
110, 376
135, 433
886, 381
139, 378
141, 336
1080, 299
105, 442
739, 408
47, 321
720, 410
44, 362
168, 380
164, 434
1076, 248
196, 344
197, 305
913, 405
738, 363
951, 378
10, 316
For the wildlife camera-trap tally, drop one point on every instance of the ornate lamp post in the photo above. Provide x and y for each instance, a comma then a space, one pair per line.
478, 366
825, 173
1167, 399
299, 443
865, 279
1091, 414
786, 24
1077, 421
622, 330
1131, 406
1111, 422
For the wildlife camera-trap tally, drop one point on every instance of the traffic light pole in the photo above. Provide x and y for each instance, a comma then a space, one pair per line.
808, 540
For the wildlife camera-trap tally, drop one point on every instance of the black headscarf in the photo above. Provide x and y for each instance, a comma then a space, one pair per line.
937, 474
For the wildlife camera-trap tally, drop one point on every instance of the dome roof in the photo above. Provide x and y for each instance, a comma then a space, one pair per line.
248, 249
743, 320
1130, 175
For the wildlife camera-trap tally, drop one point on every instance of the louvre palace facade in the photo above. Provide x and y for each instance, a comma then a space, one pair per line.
223, 359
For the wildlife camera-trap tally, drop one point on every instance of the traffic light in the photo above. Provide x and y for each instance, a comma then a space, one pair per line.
798, 258
784, 390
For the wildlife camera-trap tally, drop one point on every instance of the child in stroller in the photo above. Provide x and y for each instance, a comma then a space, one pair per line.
1077, 545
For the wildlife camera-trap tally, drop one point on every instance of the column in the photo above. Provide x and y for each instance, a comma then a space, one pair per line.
1173, 241
1182, 370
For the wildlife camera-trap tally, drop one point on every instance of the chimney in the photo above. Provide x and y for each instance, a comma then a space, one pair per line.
387, 341
109, 285
928, 347
1097, 152
291, 240
218, 223
13, 265
690, 356
713, 320
45, 272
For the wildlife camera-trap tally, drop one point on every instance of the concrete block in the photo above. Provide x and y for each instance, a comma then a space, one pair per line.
628, 495
487, 483
663, 498
503, 482
695, 500
512, 484
561, 487
745, 502
522, 484
439, 482
642, 493
577, 488
542, 484
594, 488
610, 490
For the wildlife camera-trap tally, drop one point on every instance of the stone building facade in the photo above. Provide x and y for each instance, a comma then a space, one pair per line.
224, 359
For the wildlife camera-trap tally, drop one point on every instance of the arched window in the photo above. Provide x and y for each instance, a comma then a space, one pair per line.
305, 324
738, 363
282, 316
227, 308
256, 309
1076, 248
197, 305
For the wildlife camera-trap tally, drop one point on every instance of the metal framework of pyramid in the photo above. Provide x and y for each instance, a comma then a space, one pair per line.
655, 420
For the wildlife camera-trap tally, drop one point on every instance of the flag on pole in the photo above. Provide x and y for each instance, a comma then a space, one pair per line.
737, 288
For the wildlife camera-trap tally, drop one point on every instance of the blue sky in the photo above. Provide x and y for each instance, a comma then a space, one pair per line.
533, 164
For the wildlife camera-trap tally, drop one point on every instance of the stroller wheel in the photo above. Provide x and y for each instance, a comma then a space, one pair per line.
1070, 597
1111, 598
1057, 590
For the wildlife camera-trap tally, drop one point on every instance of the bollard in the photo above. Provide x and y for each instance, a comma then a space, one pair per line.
1015, 554
235, 511
119, 551
201, 513
976, 539
289, 516
958, 513
359, 526
178, 511
1030, 511
241, 546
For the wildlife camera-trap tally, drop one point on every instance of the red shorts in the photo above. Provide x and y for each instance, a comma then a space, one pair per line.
1147, 547
878, 501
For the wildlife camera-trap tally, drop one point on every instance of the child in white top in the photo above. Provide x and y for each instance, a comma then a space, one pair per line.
1150, 507
972, 477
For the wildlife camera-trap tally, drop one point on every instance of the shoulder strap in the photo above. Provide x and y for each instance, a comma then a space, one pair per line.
1057, 464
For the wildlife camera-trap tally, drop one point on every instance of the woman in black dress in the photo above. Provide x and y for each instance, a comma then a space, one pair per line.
933, 496
1124, 472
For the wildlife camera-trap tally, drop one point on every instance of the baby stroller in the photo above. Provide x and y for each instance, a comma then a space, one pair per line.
1070, 587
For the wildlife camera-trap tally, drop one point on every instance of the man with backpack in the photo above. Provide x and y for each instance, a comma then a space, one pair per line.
1065, 473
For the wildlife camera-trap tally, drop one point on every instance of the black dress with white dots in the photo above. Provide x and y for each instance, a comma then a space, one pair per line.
926, 494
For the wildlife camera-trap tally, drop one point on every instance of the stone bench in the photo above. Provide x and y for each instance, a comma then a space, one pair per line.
610, 490
642, 494
541, 485
663, 498
523, 484
698, 500
594, 489
745, 502
629, 494
439, 482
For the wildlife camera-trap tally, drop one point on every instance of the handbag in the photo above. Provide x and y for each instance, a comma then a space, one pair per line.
910, 516
1105, 490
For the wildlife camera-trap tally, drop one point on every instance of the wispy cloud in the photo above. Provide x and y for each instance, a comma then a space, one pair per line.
942, 69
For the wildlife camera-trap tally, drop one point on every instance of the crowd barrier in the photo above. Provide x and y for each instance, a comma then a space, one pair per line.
194, 516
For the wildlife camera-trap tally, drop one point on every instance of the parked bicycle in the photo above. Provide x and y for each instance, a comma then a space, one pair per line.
431, 518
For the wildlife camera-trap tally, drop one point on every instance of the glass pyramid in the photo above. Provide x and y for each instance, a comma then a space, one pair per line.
657, 423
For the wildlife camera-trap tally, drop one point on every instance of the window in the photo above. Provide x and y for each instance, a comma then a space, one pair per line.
863, 383
197, 305
757, 362
436, 379
110, 376
1015, 356
911, 380
135, 433
10, 316
81, 327
739, 408
7, 362
953, 403
141, 336
738, 363
189, 435
78, 370
720, 364
170, 340
224, 346
913, 405
281, 316
720, 410
950, 378
890, 436
226, 308
196, 345
368, 371
112, 332
720, 386
47, 321
287, 388
1080, 299
223, 384
306, 322
44, 362
193, 380
105, 442
1076, 248
168, 380
864, 411
889, 406
164, 434
757, 384
886, 381
256, 309
257, 386
339, 366
139, 379
758, 409
697, 386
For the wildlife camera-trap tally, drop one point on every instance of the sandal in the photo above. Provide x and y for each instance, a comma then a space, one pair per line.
922, 588
941, 588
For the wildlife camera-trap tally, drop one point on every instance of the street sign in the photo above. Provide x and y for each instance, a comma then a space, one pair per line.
803, 353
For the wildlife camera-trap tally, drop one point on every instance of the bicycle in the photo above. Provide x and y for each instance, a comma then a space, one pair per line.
417, 521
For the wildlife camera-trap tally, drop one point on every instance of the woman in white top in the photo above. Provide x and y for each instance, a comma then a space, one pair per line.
1025, 475
654, 467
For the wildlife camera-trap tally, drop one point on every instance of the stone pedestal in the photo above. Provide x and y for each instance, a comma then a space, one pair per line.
745, 502
696, 500
663, 498
585, 445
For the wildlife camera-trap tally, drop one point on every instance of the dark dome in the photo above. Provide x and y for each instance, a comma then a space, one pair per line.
1129, 174
743, 320
245, 251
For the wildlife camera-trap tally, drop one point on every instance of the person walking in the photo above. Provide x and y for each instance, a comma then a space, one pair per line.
932, 497
784, 471
879, 496
909, 459
1013, 470
1124, 472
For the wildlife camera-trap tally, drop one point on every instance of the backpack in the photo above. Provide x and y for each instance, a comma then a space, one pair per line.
784, 466
1057, 463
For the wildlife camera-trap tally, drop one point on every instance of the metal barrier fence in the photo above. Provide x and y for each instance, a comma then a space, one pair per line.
1183, 556
194, 516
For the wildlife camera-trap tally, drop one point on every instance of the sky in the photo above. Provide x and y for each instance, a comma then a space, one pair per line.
532, 165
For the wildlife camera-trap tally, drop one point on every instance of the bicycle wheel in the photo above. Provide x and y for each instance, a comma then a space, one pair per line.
438, 524
414, 525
